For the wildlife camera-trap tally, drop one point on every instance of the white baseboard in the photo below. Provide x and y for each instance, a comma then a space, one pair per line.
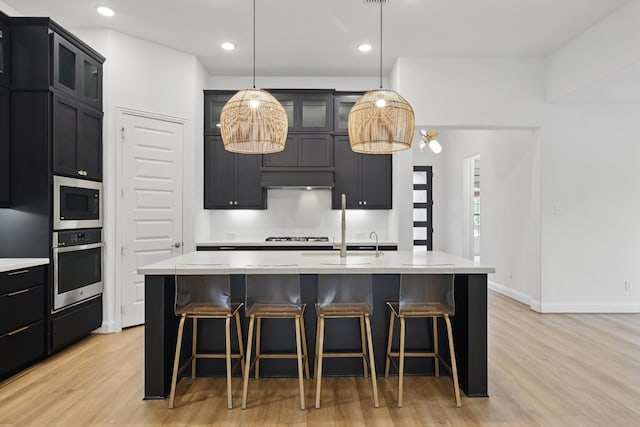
108, 328
589, 308
542, 307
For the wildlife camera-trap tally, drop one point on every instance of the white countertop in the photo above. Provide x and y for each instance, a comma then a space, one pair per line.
9, 264
240, 243
314, 262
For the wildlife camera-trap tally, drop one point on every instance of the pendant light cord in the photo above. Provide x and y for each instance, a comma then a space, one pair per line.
380, 43
254, 44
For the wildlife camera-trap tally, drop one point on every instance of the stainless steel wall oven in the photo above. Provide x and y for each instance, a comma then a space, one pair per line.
77, 267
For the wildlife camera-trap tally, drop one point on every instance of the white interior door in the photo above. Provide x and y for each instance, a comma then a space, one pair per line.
151, 196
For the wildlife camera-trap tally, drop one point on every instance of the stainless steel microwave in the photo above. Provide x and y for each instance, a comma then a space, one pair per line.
77, 203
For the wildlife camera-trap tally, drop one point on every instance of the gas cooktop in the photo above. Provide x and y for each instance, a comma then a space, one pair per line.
297, 239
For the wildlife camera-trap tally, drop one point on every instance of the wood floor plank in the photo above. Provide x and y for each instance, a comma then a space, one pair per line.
553, 369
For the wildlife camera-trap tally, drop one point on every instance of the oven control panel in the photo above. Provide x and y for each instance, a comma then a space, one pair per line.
77, 237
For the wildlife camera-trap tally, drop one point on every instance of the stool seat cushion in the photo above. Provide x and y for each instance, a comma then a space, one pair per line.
208, 310
275, 310
344, 309
420, 309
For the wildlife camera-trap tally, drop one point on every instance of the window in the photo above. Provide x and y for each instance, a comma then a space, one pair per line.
422, 208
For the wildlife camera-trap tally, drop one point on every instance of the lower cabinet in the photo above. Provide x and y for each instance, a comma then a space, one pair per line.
22, 308
231, 181
365, 179
5, 190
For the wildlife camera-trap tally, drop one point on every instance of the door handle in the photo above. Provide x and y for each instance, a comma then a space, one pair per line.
177, 244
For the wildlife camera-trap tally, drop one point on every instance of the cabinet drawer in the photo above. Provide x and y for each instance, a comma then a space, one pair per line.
20, 347
23, 278
21, 308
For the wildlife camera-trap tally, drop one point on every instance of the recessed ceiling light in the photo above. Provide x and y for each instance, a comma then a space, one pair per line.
105, 11
228, 46
365, 47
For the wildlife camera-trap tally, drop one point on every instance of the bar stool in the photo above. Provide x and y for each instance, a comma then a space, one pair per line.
341, 297
205, 297
424, 295
275, 296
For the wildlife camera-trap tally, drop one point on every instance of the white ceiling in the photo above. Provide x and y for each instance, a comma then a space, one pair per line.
319, 37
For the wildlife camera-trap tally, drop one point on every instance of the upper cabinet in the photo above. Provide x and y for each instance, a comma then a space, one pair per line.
342, 108
307, 111
75, 72
214, 101
310, 150
4, 54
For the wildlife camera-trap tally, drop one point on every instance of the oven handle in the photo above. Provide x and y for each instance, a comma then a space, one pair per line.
59, 250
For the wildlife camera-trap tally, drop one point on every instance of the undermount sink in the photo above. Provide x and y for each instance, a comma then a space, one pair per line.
337, 253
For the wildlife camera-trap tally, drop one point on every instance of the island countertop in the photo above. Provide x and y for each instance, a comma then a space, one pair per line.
315, 262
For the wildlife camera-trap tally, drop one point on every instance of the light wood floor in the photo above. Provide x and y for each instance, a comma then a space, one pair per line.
565, 370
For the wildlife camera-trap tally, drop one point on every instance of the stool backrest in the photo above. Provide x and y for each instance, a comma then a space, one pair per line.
272, 289
428, 289
340, 289
202, 290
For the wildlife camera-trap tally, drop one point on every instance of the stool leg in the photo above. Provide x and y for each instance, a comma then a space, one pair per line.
227, 336
176, 363
299, 352
315, 361
247, 363
194, 347
258, 335
401, 373
363, 346
319, 353
240, 346
392, 317
305, 354
454, 367
372, 363
435, 346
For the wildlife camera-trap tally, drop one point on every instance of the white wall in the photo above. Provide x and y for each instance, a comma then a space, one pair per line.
510, 203
590, 203
143, 76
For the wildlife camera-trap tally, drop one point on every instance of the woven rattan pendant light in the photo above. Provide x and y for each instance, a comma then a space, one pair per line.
253, 121
381, 121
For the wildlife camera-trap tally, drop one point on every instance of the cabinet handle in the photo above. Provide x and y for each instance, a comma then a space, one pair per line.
235, 203
364, 203
231, 202
17, 331
15, 273
360, 202
13, 294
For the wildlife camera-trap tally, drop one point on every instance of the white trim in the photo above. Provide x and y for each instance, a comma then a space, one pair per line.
542, 307
108, 328
149, 115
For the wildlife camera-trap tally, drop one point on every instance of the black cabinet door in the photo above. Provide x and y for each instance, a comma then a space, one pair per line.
249, 193
342, 105
4, 55
310, 111
5, 189
77, 139
219, 170
65, 137
90, 81
376, 181
90, 144
285, 158
347, 174
213, 104
315, 150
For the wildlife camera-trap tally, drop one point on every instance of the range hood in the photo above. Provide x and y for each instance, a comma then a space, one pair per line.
297, 179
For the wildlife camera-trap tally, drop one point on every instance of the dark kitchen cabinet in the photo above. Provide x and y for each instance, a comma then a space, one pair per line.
4, 51
308, 150
231, 181
5, 173
76, 73
342, 108
364, 178
22, 308
307, 111
214, 101
77, 139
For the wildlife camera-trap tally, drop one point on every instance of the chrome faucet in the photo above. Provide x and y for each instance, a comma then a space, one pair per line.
378, 253
343, 243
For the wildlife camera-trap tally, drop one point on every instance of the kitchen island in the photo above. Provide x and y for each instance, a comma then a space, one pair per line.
469, 323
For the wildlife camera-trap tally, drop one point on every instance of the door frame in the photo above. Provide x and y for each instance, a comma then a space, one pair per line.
467, 205
119, 214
